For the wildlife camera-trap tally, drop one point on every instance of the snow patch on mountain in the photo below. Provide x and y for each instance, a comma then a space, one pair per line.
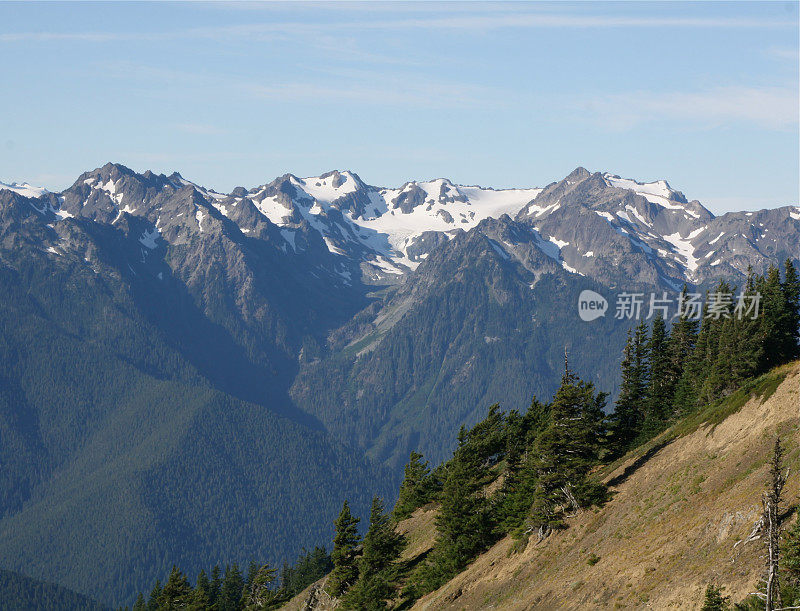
683, 246
386, 223
24, 189
328, 187
658, 192
149, 237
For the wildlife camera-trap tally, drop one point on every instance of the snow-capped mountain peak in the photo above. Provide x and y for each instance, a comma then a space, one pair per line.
592, 224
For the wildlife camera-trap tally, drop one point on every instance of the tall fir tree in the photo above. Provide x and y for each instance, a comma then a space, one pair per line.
775, 321
791, 291
682, 342
626, 421
216, 585
565, 452
345, 545
463, 526
230, 595
660, 391
377, 569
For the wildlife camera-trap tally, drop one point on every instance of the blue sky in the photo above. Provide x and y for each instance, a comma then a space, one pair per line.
703, 95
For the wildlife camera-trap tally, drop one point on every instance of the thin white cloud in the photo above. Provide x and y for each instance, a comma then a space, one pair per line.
783, 53
770, 107
491, 20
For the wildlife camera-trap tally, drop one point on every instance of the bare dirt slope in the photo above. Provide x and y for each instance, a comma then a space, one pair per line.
669, 530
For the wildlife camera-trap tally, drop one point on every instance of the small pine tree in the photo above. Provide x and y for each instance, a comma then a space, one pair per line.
177, 592
416, 488
140, 604
714, 600
345, 544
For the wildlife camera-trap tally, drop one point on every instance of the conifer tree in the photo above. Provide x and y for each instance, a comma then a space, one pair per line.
486, 441
775, 320
791, 291
201, 597
202, 582
713, 375
772, 527
416, 487
252, 570
747, 349
258, 594
567, 449
463, 527
140, 604
345, 544
660, 392
629, 413
216, 585
176, 593
155, 594
641, 359
682, 342
714, 600
376, 568
626, 421
515, 495
230, 596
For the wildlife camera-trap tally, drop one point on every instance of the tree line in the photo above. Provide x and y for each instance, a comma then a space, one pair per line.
668, 373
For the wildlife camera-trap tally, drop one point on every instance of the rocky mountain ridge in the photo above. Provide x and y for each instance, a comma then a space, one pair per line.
586, 223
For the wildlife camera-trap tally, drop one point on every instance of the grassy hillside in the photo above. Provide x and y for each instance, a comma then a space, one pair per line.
679, 505
677, 511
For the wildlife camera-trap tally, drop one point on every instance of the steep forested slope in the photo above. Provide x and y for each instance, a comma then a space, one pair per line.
477, 327
119, 456
21, 593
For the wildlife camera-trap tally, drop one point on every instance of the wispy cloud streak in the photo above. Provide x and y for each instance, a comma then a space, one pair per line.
480, 22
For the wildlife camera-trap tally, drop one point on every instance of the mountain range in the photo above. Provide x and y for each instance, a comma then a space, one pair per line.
183, 369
